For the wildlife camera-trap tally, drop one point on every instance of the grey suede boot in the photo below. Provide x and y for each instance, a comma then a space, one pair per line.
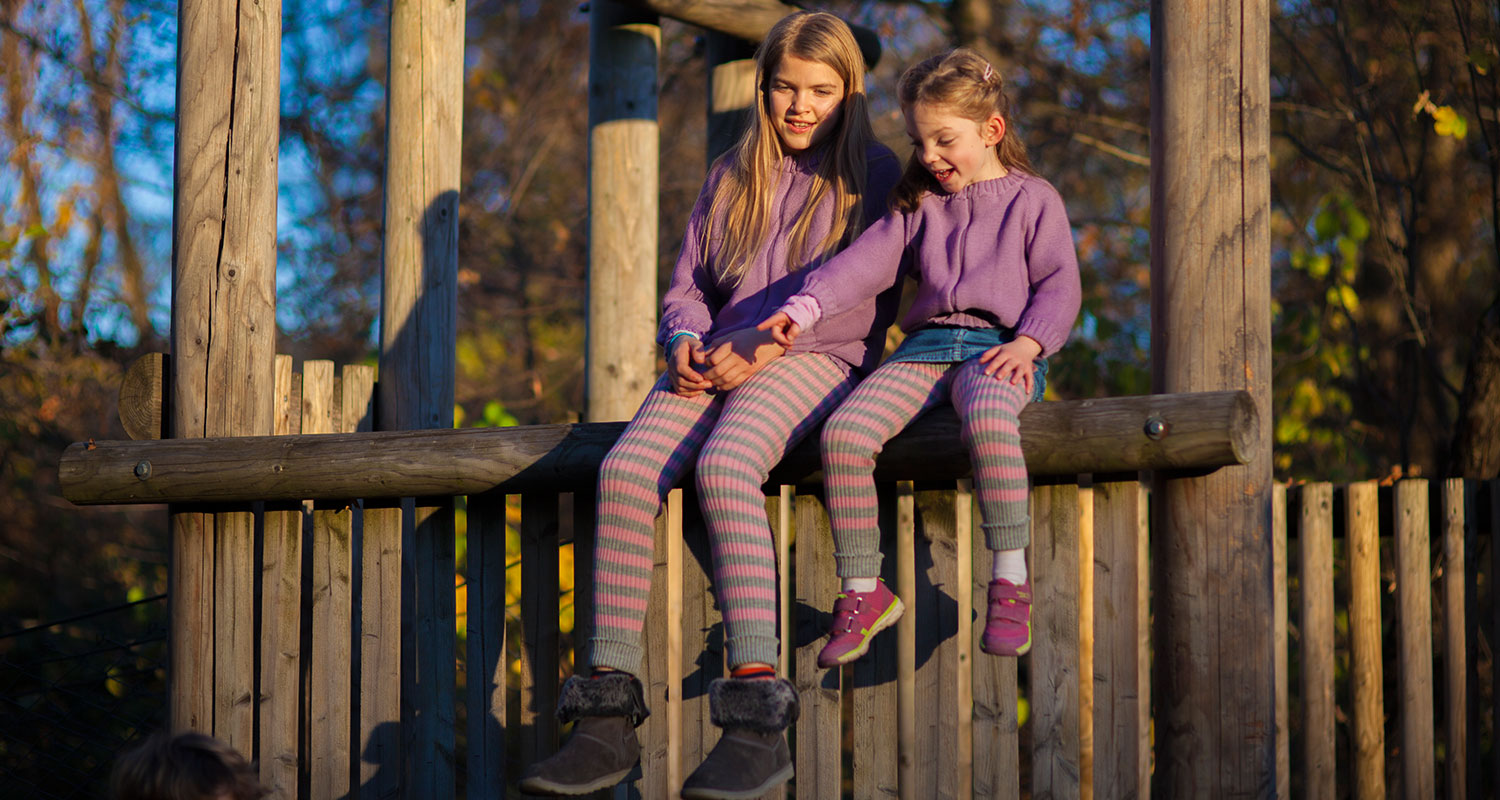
751, 757
603, 748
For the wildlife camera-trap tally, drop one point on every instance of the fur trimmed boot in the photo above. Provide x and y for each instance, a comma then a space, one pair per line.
603, 749
752, 756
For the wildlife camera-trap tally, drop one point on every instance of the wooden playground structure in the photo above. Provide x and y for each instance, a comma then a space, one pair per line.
312, 582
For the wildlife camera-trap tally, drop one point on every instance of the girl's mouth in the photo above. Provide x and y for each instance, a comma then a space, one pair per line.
799, 127
942, 174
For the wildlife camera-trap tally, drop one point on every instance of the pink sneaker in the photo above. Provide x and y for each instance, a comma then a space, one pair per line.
1007, 626
857, 617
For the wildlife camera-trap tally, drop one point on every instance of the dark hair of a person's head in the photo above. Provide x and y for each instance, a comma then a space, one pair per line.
187, 766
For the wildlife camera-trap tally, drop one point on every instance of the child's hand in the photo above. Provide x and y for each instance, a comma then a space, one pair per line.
1013, 361
685, 380
734, 358
783, 330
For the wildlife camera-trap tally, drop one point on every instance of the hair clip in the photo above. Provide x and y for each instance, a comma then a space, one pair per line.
989, 72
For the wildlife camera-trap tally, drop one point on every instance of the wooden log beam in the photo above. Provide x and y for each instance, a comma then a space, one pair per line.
1122, 434
747, 19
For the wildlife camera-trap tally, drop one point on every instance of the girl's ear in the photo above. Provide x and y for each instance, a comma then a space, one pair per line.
993, 130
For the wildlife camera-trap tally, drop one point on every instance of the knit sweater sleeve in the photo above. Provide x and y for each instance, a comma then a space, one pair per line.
869, 266
1052, 270
692, 299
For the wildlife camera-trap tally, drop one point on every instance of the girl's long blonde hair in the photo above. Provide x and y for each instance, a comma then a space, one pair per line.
963, 82
744, 193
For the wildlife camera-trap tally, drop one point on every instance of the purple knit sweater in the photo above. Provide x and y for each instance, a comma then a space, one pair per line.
855, 334
997, 252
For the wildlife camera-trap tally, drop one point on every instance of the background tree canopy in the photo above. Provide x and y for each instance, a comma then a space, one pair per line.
1384, 174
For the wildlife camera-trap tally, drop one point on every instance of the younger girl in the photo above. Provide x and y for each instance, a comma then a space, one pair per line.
805, 179
998, 288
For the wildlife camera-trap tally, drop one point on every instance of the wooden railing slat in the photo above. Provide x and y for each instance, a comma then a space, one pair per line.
1054, 654
1121, 672
963, 649
1315, 536
486, 653
662, 766
1279, 633
539, 649
1362, 529
383, 636
910, 776
875, 770
329, 693
1414, 623
1086, 643
937, 741
1492, 491
281, 618
701, 654
817, 755
1455, 655
997, 752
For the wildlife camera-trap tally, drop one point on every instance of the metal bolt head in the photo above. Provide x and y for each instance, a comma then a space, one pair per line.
1156, 427
143, 470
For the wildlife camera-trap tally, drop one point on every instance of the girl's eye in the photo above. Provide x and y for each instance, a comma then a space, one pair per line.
945, 142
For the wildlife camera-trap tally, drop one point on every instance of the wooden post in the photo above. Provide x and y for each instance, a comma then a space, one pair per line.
223, 338
418, 332
731, 90
1210, 329
623, 175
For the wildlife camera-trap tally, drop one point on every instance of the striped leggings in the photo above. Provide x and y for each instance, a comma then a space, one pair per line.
887, 401
742, 434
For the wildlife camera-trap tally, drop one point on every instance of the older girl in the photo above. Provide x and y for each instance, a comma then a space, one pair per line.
804, 180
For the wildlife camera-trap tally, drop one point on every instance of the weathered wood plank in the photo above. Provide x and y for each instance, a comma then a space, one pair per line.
910, 776
875, 768
383, 633
818, 755
1414, 624
962, 647
1086, 643
191, 606
329, 691
662, 764
1059, 438
1054, 654
934, 609
1121, 666
1455, 655
234, 629
1315, 536
997, 747
1367, 664
539, 636
701, 657
281, 616
624, 141
486, 665
1279, 641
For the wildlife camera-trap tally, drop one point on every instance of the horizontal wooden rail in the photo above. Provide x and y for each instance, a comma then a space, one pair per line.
1123, 434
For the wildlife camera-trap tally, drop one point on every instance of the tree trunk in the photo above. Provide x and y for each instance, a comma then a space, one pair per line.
1476, 442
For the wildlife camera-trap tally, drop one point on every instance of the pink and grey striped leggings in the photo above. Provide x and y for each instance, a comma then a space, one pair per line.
887, 401
742, 434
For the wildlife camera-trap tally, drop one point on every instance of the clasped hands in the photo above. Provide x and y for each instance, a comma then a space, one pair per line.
694, 367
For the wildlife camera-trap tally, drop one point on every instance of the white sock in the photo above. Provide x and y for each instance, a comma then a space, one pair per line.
857, 585
1010, 565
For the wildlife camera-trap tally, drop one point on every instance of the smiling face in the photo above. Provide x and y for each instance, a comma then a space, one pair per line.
806, 99
957, 150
